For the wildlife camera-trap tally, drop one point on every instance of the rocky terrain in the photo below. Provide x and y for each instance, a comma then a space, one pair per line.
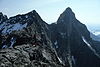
24, 42
28, 41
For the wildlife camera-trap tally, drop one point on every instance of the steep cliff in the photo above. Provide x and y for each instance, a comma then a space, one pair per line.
73, 43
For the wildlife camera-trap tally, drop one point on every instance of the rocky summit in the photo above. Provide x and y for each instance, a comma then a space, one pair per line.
73, 42
28, 41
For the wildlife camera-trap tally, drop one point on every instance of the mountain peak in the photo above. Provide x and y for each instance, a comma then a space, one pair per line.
3, 17
68, 9
1, 13
33, 11
68, 14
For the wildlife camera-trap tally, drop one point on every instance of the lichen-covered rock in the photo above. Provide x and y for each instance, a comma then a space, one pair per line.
27, 55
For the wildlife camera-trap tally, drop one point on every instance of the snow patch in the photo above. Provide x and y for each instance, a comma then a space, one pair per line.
56, 44
4, 46
19, 26
90, 46
59, 60
13, 40
63, 34
20, 17
73, 59
26, 16
12, 27
46, 54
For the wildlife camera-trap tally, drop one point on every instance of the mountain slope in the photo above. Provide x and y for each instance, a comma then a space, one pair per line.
24, 43
73, 41
27, 41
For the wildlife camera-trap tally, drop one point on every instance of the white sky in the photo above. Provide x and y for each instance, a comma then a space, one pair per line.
86, 11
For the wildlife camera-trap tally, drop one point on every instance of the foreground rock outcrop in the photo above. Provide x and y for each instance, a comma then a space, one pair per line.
24, 43
28, 56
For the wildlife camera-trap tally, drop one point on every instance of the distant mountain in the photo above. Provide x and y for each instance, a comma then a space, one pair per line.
98, 36
95, 37
27, 41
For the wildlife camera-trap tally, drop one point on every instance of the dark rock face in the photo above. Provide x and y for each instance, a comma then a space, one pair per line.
73, 42
27, 41
2, 18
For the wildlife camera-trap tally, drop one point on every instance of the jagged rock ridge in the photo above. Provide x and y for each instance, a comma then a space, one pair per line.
24, 43
27, 41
